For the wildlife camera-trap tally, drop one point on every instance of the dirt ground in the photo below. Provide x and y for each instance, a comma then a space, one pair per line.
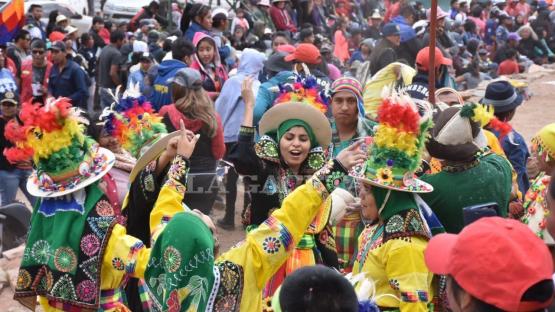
530, 117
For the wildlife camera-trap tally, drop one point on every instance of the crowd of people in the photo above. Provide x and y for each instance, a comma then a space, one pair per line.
359, 193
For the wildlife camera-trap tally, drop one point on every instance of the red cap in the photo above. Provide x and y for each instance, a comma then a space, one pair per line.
423, 59
286, 48
56, 36
495, 260
305, 53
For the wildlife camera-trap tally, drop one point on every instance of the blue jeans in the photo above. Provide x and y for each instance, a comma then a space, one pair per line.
12, 180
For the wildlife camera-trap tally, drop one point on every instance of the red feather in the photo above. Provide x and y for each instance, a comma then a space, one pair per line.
503, 128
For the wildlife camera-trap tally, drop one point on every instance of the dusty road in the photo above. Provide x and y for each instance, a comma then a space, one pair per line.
530, 117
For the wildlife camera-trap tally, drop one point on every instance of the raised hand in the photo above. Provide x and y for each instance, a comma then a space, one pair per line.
352, 156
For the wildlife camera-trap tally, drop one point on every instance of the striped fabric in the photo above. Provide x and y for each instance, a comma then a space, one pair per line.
145, 297
346, 234
113, 299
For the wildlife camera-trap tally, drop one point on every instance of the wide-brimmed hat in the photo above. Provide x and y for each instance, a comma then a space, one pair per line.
303, 102
61, 18
502, 96
150, 152
395, 154
65, 159
457, 132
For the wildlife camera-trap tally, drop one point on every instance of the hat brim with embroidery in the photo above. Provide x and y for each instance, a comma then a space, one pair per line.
102, 161
395, 154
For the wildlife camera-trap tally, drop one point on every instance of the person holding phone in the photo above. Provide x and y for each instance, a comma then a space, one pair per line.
34, 73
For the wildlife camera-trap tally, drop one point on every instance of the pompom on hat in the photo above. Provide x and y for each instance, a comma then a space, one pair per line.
396, 151
65, 159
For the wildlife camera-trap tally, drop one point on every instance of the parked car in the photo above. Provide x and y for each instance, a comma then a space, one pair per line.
123, 10
82, 22
80, 6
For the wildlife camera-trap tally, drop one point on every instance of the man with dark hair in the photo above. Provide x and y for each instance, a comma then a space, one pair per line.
316, 288
97, 25
182, 54
67, 79
34, 73
19, 51
33, 24
384, 52
109, 63
88, 51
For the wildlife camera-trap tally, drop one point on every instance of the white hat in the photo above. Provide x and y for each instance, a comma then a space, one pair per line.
70, 29
60, 18
218, 11
264, 3
140, 46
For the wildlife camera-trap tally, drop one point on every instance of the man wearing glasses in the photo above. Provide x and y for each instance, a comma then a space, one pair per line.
34, 74
66, 78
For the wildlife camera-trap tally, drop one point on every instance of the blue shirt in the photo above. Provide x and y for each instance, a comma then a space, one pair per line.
69, 83
516, 150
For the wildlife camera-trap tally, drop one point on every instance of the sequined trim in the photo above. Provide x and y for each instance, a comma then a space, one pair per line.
230, 291
179, 169
246, 130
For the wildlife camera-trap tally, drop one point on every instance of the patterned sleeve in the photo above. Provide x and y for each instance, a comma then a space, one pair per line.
268, 247
171, 195
125, 256
408, 274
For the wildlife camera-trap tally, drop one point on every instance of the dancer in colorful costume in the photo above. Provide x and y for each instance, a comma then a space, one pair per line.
293, 133
83, 263
391, 249
182, 274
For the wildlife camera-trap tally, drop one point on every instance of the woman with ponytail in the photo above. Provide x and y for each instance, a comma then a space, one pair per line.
197, 18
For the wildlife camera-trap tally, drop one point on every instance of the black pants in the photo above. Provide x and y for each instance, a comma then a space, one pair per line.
231, 190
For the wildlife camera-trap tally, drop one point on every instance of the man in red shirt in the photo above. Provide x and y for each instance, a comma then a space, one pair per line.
510, 65
34, 73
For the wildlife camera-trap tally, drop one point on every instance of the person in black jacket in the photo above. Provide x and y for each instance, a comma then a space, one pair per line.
530, 46
384, 53
97, 25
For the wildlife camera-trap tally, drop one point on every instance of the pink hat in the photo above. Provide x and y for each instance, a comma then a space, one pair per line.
440, 13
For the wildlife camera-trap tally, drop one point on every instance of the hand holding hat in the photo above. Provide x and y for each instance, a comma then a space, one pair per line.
352, 156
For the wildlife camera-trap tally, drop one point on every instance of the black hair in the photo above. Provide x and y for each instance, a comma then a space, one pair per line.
469, 26
472, 46
510, 53
192, 11
108, 25
85, 37
476, 10
453, 2
34, 6
38, 44
22, 34
97, 19
153, 4
305, 33
218, 20
317, 289
407, 10
116, 36
281, 34
181, 48
505, 116
539, 292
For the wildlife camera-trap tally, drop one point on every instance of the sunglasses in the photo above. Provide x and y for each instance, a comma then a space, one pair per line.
8, 104
38, 52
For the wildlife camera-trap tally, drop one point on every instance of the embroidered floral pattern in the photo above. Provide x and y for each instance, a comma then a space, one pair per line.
118, 264
173, 303
394, 224
178, 170
149, 183
316, 160
104, 209
86, 290
266, 148
89, 267
65, 259
90, 245
226, 303
41, 251
172, 259
46, 281
23, 279
271, 245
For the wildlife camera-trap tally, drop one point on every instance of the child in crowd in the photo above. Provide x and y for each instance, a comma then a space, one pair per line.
207, 61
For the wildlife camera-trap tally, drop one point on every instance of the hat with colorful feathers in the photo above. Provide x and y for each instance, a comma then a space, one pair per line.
65, 159
395, 154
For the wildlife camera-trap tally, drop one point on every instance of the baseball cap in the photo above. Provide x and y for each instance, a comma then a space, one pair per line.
9, 96
495, 260
56, 36
305, 53
423, 59
58, 46
513, 36
287, 48
188, 78
391, 29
